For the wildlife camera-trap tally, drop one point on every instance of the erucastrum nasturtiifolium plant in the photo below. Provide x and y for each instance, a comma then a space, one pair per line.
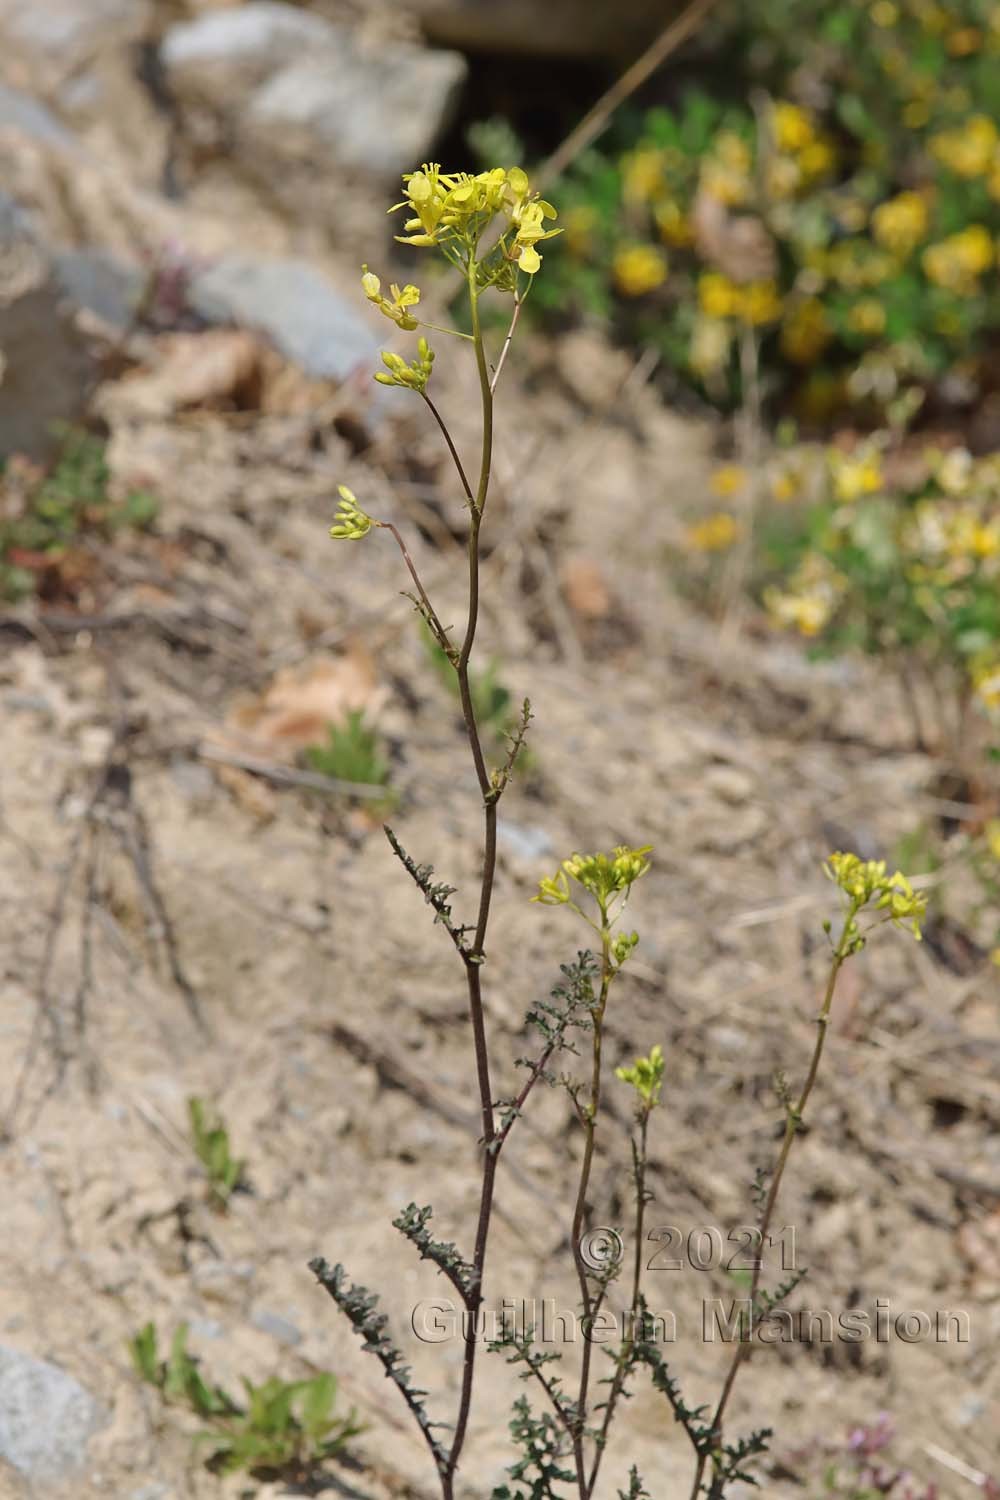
488, 227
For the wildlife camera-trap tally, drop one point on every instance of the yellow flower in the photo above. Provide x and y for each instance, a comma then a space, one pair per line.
957, 262
725, 171
639, 269
986, 682
793, 127
863, 881
398, 308
885, 13
901, 223
455, 208
817, 159
806, 331
867, 318
580, 224
971, 149
714, 534
729, 480
717, 295
855, 477
760, 303
811, 600
602, 875
993, 837
642, 175
965, 41
673, 224
784, 487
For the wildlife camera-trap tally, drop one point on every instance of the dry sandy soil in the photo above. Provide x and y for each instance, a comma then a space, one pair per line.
174, 926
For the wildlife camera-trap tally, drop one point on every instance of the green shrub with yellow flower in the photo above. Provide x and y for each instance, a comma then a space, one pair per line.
897, 552
846, 215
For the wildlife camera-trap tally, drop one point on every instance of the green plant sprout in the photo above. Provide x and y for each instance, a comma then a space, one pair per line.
491, 700
210, 1138
286, 1427
351, 753
50, 514
488, 227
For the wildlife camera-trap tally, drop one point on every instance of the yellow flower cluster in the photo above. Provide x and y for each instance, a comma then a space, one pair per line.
971, 150
866, 881
350, 522
957, 262
857, 475
757, 303
715, 533
986, 681
646, 1077
803, 153
413, 376
453, 209
726, 170
815, 591
602, 875
901, 223
639, 269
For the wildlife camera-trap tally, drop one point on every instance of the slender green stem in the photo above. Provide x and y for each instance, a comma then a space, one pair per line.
618, 1381
430, 615
589, 1118
474, 956
793, 1121
451, 446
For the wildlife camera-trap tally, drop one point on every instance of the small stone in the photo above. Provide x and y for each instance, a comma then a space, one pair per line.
276, 1326
46, 367
46, 1417
292, 305
524, 843
225, 50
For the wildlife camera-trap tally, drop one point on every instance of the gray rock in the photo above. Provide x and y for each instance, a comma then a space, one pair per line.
60, 35
293, 305
46, 366
226, 49
46, 1417
377, 112
102, 285
527, 843
276, 1326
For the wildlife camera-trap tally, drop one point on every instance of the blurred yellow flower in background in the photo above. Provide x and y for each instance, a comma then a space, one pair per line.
853, 476
809, 603
639, 269
901, 223
729, 480
715, 533
957, 262
867, 318
806, 331
793, 127
970, 150
717, 295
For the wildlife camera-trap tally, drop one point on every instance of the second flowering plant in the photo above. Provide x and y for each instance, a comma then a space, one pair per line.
489, 228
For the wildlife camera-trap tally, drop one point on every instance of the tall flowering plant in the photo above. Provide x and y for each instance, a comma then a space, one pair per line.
489, 228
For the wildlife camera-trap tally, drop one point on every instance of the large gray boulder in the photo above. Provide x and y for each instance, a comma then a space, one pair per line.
47, 369
46, 1417
53, 38
288, 89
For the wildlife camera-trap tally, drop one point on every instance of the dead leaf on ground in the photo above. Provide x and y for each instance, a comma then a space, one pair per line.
586, 589
221, 367
299, 704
